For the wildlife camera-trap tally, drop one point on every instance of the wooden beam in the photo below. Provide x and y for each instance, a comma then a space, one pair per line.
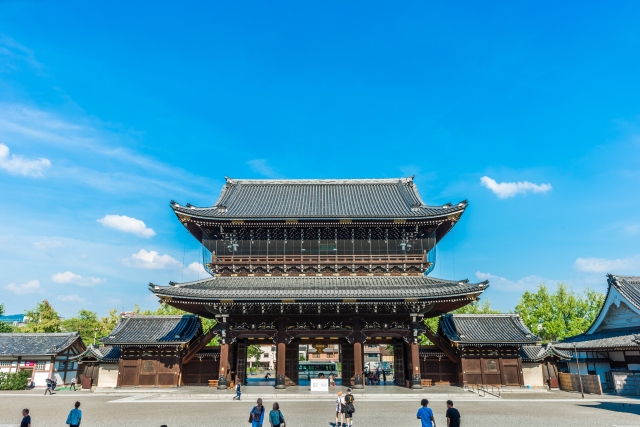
198, 345
441, 344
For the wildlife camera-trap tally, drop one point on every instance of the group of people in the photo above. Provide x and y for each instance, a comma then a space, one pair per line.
425, 415
345, 409
257, 414
73, 419
52, 383
377, 376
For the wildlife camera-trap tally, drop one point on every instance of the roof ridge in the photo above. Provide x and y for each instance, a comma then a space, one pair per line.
321, 181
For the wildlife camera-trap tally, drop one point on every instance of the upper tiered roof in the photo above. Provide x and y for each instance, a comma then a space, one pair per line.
384, 199
153, 330
486, 329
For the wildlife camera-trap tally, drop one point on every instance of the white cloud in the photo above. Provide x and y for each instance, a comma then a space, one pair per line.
47, 244
24, 288
505, 190
260, 166
128, 225
603, 265
69, 277
70, 298
151, 260
18, 165
196, 269
524, 284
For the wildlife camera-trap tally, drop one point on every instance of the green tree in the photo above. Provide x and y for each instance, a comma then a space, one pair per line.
88, 324
42, 318
4, 327
564, 313
254, 352
108, 323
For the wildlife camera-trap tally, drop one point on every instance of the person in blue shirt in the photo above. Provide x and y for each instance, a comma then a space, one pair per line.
256, 416
238, 391
75, 416
425, 415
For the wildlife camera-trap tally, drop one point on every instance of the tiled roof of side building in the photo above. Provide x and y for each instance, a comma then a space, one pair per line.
396, 198
619, 339
628, 286
535, 353
316, 288
107, 354
159, 330
36, 344
479, 329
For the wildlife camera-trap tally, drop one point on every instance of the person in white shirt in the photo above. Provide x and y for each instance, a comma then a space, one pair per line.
340, 409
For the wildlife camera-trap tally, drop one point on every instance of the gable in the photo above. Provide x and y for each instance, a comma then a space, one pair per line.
616, 315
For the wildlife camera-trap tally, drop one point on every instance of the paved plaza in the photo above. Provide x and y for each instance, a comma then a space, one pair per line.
201, 408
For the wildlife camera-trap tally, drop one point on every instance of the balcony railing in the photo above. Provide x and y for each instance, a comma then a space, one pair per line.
380, 259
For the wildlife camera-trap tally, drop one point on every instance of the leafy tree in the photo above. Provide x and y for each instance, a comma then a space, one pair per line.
14, 380
42, 318
254, 352
4, 327
108, 324
553, 316
87, 323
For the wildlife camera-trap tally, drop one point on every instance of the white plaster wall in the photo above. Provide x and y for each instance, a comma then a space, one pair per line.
532, 374
40, 378
108, 375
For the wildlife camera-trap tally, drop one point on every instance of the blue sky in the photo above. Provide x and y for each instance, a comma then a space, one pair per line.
111, 111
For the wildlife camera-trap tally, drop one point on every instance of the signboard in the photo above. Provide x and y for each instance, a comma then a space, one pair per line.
29, 363
319, 384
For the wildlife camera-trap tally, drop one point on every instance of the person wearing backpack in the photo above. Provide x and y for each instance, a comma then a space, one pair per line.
349, 409
275, 417
238, 391
75, 416
256, 416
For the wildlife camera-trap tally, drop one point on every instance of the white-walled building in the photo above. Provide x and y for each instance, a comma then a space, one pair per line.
46, 355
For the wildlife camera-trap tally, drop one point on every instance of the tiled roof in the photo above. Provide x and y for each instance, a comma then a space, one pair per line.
618, 339
628, 286
107, 354
159, 330
535, 353
366, 288
481, 329
396, 198
36, 344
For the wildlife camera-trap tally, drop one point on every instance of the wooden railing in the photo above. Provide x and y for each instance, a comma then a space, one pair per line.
316, 259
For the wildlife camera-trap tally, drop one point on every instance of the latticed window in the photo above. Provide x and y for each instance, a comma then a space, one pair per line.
40, 366
5, 363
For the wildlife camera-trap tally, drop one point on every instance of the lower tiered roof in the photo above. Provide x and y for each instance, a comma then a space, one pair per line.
320, 289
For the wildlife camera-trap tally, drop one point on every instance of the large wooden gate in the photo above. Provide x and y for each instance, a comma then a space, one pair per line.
292, 357
440, 370
241, 362
348, 369
200, 371
399, 364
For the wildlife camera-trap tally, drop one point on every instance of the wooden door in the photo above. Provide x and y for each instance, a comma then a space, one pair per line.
128, 372
398, 364
348, 369
472, 372
291, 362
167, 368
241, 362
148, 372
511, 372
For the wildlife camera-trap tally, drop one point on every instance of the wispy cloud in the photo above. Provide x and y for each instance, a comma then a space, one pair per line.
24, 288
505, 190
47, 244
69, 277
151, 260
14, 53
128, 225
197, 270
604, 265
506, 285
262, 167
70, 298
18, 165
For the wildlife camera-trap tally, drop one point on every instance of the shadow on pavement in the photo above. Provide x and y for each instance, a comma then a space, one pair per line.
629, 408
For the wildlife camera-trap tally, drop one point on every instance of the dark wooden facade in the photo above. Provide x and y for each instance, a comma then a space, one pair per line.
319, 261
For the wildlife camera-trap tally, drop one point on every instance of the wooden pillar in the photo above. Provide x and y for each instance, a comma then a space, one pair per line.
223, 384
358, 355
416, 379
281, 355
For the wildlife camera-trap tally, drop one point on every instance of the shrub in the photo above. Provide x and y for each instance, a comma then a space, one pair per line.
14, 380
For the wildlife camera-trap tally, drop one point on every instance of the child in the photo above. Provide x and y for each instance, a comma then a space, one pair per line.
275, 417
238, 392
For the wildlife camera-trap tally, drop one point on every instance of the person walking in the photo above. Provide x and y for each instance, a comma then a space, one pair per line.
73, 384
26, 418
256, 416
238, 391
49, 386
276, 419
384, 377
425, 415
332, 379
75, 416
453, 415
349, 409
340, 410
